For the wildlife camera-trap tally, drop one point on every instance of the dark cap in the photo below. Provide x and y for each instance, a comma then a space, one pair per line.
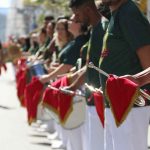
77, 3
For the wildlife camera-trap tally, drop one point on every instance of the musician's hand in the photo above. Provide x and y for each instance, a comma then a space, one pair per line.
130, 77
44, 79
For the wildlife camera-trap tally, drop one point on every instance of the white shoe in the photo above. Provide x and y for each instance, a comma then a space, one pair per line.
36, 124
42, 128
53, 136
57, 145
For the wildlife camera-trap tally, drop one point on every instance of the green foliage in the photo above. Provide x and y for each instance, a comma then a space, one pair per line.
57, 7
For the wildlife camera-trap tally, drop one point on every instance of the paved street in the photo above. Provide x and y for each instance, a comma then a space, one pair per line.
15, 134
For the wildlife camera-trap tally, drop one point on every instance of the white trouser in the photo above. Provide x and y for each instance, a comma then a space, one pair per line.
72, 139
50, 126
75, 139
85, 131
58, 129
132, 134
96, 131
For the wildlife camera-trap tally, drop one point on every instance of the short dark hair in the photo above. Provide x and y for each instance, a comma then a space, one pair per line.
77, 3
63, 17
104, 10
49, 18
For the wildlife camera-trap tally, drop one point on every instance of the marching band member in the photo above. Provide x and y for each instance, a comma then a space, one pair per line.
126, 50
70, 53
68, 57
85, 11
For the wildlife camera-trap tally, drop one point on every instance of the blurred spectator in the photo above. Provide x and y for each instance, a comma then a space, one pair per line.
47, 19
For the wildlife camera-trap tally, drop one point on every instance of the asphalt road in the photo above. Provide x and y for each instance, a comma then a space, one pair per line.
15, 134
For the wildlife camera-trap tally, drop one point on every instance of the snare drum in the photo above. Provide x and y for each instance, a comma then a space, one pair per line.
52, 114
36, 69
76, 117
42, 114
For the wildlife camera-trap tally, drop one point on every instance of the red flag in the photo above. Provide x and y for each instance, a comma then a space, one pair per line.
50, 99
21, 79
121, 93
65, 106
50, 96
21, 63
99, 103
21, 84
65, 102
57, 101
33, 93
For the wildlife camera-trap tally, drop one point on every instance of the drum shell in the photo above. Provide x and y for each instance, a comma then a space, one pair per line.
76, 118
35, 70
42, 114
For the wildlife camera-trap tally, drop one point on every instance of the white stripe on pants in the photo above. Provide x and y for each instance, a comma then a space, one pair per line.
96, 131
132, 134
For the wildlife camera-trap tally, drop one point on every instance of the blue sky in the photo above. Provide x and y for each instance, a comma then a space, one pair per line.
4, 4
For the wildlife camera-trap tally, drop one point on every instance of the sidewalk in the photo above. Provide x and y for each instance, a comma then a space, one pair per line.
14, 130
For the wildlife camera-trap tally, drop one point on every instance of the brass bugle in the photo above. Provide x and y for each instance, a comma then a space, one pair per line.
92, 89
91, 65
142, 92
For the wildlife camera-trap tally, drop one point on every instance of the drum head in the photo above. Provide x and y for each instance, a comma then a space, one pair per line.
77, 116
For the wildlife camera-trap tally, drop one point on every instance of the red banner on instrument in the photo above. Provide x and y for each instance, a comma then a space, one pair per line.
33, 93
57, 101
99, 103
121, 93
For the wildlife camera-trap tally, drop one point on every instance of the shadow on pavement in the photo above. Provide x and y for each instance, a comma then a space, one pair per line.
41, 143
38, 135
5, 107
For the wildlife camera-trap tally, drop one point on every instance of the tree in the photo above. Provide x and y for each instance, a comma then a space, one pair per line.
59, 6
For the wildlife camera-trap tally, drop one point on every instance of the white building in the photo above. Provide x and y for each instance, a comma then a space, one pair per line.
15, 19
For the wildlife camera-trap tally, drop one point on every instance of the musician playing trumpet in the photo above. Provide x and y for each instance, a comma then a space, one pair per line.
126, 50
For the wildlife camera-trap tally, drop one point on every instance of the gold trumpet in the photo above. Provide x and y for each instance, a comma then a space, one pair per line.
139, 101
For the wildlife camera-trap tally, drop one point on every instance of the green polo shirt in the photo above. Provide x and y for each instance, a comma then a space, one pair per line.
43, 48
128, 31
71, 52
34, 49
95, 45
